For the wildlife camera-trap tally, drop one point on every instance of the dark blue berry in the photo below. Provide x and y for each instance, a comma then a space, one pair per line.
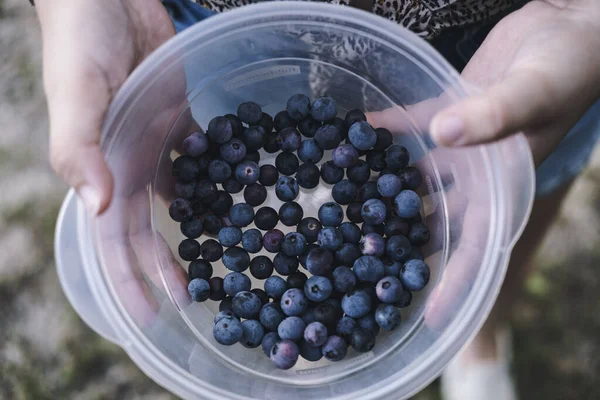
224, 314
217, 291
268, 341
228, 331
230, 236
411, 178
384, 139
284, 264
212, 224
272, 240
246, 304
350, 231
249, 112
232, 186
309, 227
328, 136
387, 316
369, 323
271, 316
241, 215
272, 143
308, 352
290, 213
275, 286
200, 269
308, 126
372, 244
265, 219
225, 303
353, 116
180, 210
398, 248
367, 228
283, 120
189, 249
374, 211
206, 191
254, 138
345, 327
185, 190
199, 289
389, 290
298, 106
376, 160
199, 208
293, 244
396, 226
284, 354
296, 280
268, 175
211, 250
360, 173
344, 279
287, 188
324, 109
341, 126
308, 176
236, 124
369, 269
287, 163
329, 238
252, 240
345, 156
253, 333
392, 268
255, 194
219, 171
262, 295
397, 157
356, 304
291, 328
261, 267
389, 185
315, 334
344, 192
247, 172
293, 302
319, 261
347, 254
233, 151
419, 234
310, 152
362, 340
362, 135
331, 173
331, 214
368, 191
195, 144
220, 130
309, 315
235, 282
354, 212
290, 139
253, 156
405, 299
236, 259
222, 203
266, 122
335, 349
328, 314
416, 254
192, 228
318, 288
414, 275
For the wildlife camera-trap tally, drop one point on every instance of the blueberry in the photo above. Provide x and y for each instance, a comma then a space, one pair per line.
253, 333
185, 190
224, 314
354, 213
345, 327
350, 231
192, 228
255, 194
266, 122
328, 137
220, 130
199, 208
330, 238
335, 348
362, 340
344, 279
367, 228
356, 304
254, 138
376, 160
268, 175
296, 280
200, 269
232, 186
298, 106
315, 334
293, 302
398, 248
249, 112
268, 341
405, 299
233, 151
219, 171
284, 264
318, 288
212, 224
319, 261
253, 156
236, 259
308, 176
347, 254
308, 126
387, 316
309, 315
286, 188
265, 219
372, 244
271, 316
252, 240
262, 295
272, 143
246, 304
225, 304
185, 168
261, 267
230, 236
411, 178
235, 282
384, 139
345, 156
293, 244
396, 226
389, 185
241, 215
331, 214
272, 240
397, 157
353, 116
308, 352
222, 203
416, 254
324, 109
236, 124
368, 191
310, 152
291, 328
392, 268
189, 249
374, 211
418, 234
199, 289
369, 269
211, 250
309, 227
344, 192
247, 172
217, 291
341, 126
290, 139
203, 160
284, 354
331, 173
369, 323
206, 191
328, 314
287, 163
389, 290
228, 331
283, 120
414, 275
360, 173
195, 144
180, 210
290, 213
362, 135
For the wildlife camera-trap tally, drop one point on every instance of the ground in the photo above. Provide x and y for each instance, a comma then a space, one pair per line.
46, 352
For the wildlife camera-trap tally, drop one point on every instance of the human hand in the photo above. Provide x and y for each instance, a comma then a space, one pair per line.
90, 48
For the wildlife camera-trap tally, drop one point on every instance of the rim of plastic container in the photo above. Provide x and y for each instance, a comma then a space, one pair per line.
149, 358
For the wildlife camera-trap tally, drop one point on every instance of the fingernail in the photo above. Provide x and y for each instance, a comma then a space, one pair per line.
90, 198
448, 130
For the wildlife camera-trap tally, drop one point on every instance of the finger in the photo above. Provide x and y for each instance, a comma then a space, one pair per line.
522, 100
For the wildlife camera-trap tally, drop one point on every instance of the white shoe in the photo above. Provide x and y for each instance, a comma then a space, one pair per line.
469, 379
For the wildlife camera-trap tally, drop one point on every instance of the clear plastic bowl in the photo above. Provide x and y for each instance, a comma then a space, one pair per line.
119, 272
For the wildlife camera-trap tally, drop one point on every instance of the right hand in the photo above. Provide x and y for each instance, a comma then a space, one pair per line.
90, 48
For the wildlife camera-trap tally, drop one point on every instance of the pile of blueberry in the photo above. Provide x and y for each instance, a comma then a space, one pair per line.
361, 270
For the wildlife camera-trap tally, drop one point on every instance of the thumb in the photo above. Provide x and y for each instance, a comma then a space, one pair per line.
77, 102
518, 102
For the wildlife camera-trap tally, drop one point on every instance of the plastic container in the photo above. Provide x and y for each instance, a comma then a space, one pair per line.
118, 270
